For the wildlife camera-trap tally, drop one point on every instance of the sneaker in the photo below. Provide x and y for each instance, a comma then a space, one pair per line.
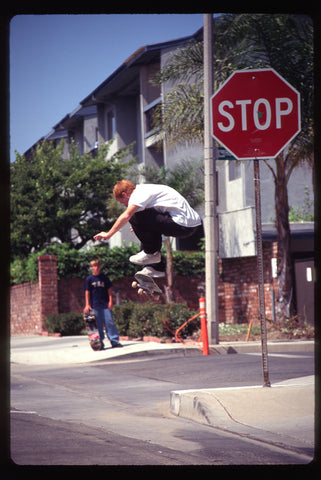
117, 345
143, 258
151, 272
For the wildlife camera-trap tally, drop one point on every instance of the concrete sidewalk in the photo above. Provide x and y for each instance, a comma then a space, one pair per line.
282, 415
42, 350
39, 350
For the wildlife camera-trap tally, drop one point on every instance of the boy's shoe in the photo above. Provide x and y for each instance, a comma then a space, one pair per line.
143, 258
151, 272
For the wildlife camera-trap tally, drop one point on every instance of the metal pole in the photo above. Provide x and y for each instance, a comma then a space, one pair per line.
210, 220
266, 381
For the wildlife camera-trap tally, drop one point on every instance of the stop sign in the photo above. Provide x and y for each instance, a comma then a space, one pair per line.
255, 113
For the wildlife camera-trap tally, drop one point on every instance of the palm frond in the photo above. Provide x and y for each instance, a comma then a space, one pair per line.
181, 113
186, 62
282, 41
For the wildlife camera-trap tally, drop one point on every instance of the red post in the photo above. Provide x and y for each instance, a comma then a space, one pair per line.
48, 286
204, 326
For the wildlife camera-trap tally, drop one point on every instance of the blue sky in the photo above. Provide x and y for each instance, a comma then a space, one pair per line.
57, 60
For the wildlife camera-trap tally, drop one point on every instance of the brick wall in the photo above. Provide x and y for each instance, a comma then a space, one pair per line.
25, 309
30, 303
237, 292
71, 295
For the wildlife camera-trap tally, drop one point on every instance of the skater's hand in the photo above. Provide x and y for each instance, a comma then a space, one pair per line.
87, 309
102, 236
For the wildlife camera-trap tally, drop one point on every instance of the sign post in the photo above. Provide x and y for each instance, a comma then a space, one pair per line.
210, 189
255, 114
260, 272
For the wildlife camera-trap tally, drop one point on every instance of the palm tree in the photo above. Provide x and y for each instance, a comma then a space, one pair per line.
283, 42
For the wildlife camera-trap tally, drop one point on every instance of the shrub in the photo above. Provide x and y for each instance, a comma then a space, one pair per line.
143, 321
122, 315
75, 263
65, 323
189, 263
147, 319
176, 314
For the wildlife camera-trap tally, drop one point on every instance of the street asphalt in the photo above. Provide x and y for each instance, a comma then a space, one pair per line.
282, 413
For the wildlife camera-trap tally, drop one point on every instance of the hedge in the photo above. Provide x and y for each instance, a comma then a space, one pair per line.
132, 319
65, 323
75, 263
147, 319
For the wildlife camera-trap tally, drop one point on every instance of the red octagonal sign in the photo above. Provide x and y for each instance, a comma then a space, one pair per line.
255, 113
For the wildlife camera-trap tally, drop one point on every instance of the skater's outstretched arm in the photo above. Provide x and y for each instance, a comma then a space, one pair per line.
120, 222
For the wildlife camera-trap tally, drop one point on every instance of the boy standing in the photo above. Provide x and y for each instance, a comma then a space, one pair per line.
98, 297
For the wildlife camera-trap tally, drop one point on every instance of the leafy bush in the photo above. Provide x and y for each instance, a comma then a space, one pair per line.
188, 263
133, 319
75, 263
65, 323
147, 319
143, 321
115, 260
177, 314
17, 272
122, 314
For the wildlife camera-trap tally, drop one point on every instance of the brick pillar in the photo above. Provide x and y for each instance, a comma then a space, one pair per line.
48, 286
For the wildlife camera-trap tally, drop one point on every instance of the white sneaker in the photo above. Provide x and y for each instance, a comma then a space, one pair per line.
143, 258
151, 272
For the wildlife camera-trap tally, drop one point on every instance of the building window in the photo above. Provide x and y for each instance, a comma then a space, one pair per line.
111, 125
149, 112
150, 124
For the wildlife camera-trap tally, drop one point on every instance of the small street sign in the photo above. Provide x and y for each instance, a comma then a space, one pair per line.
223, 154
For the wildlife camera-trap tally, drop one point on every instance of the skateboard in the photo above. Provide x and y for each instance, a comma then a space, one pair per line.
92, 330
146, 284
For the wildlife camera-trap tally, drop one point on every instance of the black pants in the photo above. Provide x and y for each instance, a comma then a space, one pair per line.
149, 225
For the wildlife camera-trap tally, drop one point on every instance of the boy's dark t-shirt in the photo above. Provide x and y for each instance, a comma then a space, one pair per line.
98, 286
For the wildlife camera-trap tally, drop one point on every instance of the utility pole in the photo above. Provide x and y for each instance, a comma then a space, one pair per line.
210, 220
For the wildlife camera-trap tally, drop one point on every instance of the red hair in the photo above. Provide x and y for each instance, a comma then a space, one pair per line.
123, 186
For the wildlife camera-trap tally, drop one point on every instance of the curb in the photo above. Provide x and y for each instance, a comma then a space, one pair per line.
209, 407
275, 346
221, 349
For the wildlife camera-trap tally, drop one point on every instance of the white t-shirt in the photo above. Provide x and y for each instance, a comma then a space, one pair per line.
165, 199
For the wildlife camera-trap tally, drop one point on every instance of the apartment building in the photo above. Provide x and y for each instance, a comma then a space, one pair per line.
121, 109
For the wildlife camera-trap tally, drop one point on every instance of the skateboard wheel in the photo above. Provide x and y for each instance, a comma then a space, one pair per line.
140, 291
134, 284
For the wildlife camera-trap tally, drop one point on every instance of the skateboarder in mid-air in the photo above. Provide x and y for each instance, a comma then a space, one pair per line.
152, 211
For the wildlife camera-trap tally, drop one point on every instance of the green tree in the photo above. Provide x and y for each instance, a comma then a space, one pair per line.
67, 199
283, 42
